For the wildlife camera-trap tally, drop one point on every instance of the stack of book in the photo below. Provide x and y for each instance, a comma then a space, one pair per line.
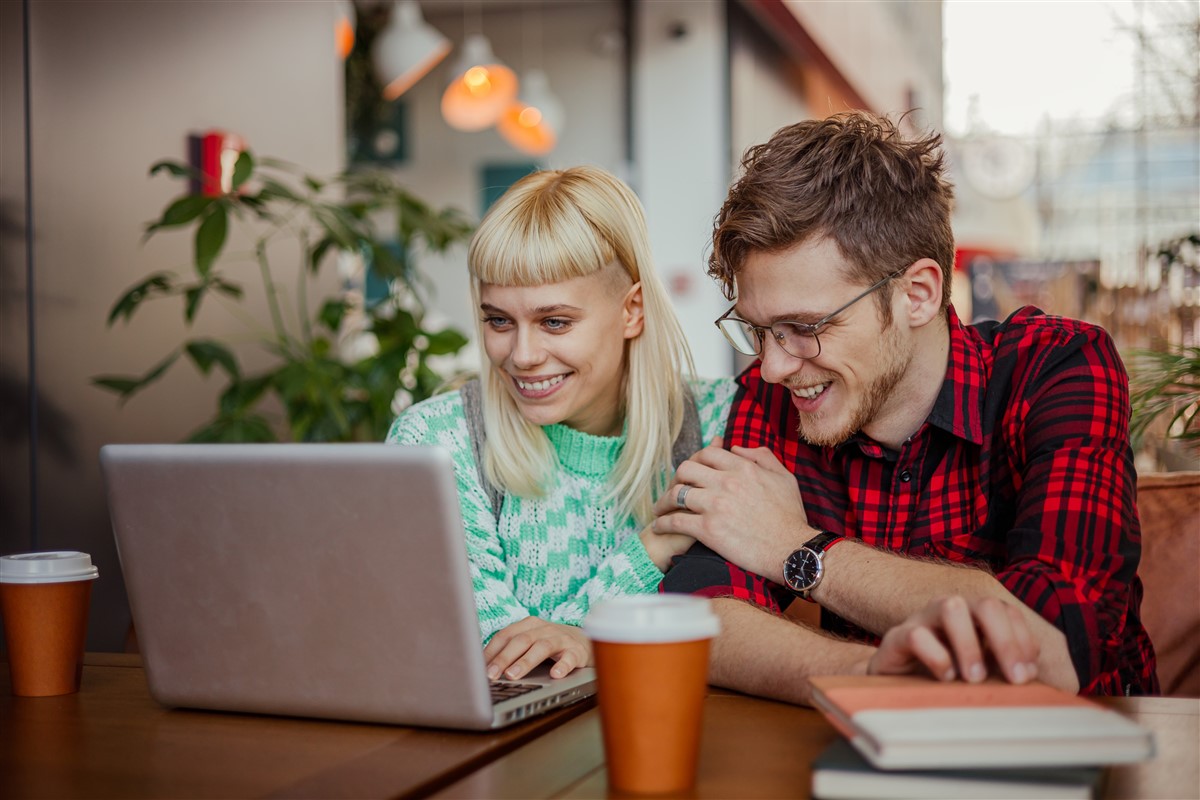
909, 737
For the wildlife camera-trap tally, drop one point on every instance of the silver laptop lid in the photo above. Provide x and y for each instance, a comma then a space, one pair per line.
312, 580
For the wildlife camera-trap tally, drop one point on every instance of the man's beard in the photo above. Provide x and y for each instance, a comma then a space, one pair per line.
894, 359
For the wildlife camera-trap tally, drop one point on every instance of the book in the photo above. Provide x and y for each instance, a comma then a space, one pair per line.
841, 773
908, 722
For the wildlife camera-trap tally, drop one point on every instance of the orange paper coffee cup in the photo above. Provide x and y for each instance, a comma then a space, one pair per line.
651, 655
44, 598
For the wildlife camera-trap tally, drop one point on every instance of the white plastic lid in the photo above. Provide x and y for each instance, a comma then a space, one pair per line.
650, 618
50, 567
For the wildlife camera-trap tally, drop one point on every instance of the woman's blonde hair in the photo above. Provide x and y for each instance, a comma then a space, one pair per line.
552, 226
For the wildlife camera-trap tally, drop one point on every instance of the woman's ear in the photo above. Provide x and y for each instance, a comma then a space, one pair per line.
634, 312
923, 292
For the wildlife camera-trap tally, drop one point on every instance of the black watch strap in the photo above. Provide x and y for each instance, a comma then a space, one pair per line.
822, 541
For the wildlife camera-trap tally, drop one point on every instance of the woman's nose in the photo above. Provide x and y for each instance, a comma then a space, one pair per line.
527, 349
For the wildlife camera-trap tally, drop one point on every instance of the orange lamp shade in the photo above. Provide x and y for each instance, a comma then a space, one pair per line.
481, 89
534, 122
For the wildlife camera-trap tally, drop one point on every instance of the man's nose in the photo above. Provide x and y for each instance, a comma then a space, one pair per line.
777, 363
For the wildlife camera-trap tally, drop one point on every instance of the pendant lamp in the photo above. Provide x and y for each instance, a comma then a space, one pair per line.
343, 28
534, 122
407, 49
481, 89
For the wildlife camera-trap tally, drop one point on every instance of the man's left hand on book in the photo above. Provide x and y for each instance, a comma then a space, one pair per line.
955, 637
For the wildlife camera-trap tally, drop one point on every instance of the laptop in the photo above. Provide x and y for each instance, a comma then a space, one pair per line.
313, 580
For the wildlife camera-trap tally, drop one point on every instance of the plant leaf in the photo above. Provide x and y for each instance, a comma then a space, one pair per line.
244, 392
242, 168
122, 386
193, 296
158, 283
210, 238
126, 387
385, 264
317, 254
206, 352
445, 342
177, 169
226, 288
338, 224
272, 189
182, 211
331, 314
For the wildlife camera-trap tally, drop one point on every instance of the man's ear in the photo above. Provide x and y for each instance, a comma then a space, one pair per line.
634, 312
923, 292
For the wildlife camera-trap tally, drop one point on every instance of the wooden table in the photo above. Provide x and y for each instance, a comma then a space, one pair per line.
112, 740
754, 748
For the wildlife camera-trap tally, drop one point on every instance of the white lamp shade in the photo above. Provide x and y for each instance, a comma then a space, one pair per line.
534, 122
481, 89
407, 49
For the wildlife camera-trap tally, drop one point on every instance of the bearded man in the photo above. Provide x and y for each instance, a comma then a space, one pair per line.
958, 499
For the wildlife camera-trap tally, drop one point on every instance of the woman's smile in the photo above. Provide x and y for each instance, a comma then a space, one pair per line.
537, 387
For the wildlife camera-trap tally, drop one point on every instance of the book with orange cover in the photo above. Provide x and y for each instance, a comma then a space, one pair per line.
907, 722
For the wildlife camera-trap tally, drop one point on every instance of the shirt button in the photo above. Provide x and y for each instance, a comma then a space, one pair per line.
905, 476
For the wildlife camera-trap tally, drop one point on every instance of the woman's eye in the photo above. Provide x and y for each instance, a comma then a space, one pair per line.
556, 324
496, 322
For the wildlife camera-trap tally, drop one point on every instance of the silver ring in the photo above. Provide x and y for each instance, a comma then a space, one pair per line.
681, 497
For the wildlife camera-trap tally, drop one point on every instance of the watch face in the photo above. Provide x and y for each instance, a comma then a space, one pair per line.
802, 570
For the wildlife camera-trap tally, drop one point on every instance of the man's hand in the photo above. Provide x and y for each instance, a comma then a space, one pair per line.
742, 503
954, 637
520, 647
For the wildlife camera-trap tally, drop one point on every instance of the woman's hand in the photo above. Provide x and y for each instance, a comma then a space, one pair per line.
515, 650
662, 547
954, 637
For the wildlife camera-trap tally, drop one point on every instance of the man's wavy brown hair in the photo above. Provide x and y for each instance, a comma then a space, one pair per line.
851, 177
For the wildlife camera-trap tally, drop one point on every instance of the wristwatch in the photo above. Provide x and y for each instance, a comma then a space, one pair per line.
803, 570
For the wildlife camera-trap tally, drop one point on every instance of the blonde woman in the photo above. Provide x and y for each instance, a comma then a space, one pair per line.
581, 404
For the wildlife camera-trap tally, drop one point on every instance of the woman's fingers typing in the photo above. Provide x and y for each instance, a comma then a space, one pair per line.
515, 650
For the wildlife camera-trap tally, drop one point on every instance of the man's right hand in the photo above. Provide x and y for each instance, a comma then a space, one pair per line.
953, 637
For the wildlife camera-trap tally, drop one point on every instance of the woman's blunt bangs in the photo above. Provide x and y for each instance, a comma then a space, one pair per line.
540, 232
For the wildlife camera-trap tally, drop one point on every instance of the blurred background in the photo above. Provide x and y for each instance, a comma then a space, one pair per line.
314, 288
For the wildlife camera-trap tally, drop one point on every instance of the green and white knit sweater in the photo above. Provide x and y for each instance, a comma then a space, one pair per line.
550, 557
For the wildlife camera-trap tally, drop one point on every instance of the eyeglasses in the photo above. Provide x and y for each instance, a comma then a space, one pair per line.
798, 339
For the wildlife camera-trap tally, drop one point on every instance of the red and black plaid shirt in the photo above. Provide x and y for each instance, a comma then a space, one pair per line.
1023, 467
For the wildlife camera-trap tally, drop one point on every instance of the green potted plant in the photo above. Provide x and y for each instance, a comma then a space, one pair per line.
341, 371
1165, 391
1165, 381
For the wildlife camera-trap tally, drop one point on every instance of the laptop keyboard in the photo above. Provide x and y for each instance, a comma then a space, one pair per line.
506, 691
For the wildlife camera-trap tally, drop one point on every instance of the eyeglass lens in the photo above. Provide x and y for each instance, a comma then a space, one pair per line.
797, 340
